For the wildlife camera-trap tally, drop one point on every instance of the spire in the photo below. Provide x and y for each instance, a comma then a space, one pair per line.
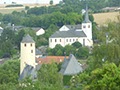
28, 39
86, 20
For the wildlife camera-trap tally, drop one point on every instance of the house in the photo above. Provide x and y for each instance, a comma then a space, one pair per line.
111, 9
39, 31
1, 30
69, 34
38, 53
71, 66
50, 59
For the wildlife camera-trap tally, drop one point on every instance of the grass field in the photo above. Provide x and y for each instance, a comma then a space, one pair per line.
6, 10
104, 18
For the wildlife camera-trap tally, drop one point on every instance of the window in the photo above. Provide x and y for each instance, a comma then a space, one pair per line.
88, 26
50, 40
31, 45
84, 26
25, 45
66, 40
83, 42
70, 40
76, 39
31, 51
73, 40
60, 40
55, 40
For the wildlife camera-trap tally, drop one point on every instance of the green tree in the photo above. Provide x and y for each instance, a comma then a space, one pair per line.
51, 2
77, 45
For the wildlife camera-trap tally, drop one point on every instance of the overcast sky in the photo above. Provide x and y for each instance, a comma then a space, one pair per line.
29, 1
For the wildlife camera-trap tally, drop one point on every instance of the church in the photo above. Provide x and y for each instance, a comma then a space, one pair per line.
69, 34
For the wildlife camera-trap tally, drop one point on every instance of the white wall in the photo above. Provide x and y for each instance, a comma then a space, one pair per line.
87, 30
64, 28
27, 55
66, 41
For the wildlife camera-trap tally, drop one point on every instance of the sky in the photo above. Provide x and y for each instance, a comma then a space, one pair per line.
28, 1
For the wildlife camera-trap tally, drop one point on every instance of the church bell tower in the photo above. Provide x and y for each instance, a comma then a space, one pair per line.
87, 25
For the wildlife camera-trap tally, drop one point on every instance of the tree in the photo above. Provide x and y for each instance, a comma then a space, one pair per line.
77, 45
51, 2
49, 77
83, 52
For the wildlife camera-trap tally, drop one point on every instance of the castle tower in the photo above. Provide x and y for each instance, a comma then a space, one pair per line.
87, 25
27, 52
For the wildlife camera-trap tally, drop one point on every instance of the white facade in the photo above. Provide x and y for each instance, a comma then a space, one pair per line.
87, 28
69, 41
40, 32
27, 55
64, 28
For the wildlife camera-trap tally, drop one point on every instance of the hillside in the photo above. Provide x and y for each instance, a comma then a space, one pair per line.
6, 10
103, 18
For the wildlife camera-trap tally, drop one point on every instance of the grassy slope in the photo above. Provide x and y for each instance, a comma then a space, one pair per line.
104, 18
6, 10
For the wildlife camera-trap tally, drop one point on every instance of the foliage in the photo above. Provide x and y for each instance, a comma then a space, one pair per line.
103, 78
76, 49
9, 72
77, 45
51, 2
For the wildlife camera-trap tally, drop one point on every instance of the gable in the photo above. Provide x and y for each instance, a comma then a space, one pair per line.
64, 28
71, 66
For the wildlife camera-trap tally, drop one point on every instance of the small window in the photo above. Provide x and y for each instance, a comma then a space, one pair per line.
31, 51
25, 45
76, 39
88, 26
70, 40
73, 40
84, 26
66, 40
83, 42
31, 45
55, 40
60, 40
50, 40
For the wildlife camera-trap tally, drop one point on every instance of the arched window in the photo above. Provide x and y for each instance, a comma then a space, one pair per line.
60, 40
55, 40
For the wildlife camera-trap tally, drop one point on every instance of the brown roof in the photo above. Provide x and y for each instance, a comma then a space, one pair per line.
50, 59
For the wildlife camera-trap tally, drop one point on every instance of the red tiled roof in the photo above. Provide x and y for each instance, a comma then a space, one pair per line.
50, 59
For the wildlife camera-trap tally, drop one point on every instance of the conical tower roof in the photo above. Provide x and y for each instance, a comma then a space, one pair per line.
28, 39
86, 20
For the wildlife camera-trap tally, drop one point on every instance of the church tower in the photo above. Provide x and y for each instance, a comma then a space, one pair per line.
27, 52
87, 25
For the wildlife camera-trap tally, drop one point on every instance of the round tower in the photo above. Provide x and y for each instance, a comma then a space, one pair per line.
27, 52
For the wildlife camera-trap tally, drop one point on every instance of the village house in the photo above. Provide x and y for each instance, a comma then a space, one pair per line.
1, 30
69, 34
38, 31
